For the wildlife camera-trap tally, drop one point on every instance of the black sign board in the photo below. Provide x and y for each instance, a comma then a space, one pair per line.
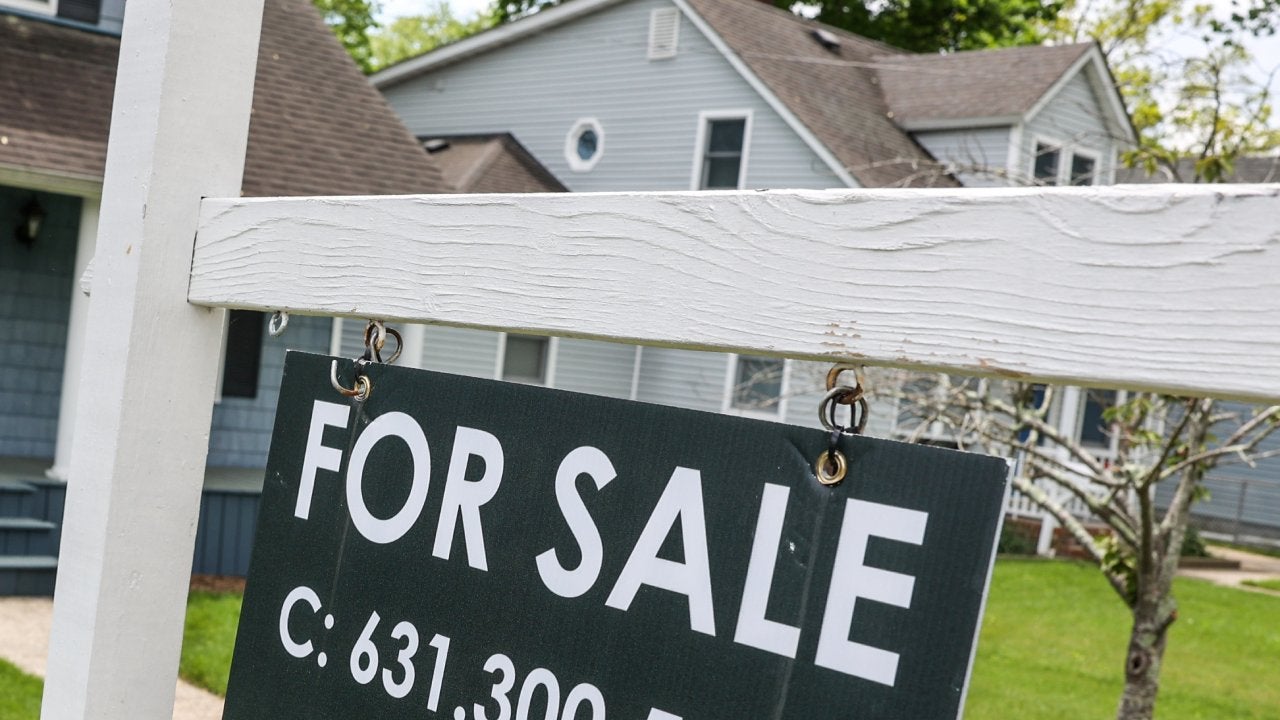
476, 550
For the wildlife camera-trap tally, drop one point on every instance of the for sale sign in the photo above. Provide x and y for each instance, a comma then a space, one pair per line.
468, 549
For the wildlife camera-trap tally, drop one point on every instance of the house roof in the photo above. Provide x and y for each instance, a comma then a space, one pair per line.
1001, 83
835, 94
318, 127
494, 163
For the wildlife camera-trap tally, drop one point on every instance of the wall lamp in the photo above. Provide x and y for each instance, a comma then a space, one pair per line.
32, 218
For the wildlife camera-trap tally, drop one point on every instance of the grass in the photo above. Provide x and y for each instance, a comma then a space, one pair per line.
208, 639
1265, 584
19, 694
1054, 638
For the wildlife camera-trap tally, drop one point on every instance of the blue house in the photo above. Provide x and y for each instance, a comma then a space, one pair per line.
318, 128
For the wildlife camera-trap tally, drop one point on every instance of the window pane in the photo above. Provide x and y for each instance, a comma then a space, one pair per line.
1081, 170
721, 173
726, 136
1093, 428
525, 359
757, 385
587, 144
1046, 165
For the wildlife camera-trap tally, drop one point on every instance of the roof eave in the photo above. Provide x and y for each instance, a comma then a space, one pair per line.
1119, 120
490, 39
964, 123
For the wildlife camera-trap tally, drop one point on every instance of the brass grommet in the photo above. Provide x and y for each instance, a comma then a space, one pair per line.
831, 478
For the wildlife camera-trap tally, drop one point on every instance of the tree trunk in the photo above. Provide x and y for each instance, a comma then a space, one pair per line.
1142, 663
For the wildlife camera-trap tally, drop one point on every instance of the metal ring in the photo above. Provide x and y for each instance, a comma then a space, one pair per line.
399, 344
363, 386
279, 321
833, 376
375, 335
827, 408
820, 467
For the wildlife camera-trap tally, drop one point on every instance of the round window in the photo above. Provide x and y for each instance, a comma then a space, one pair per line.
584, 145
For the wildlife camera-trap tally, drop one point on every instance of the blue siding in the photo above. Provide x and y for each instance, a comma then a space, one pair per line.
241, 432
597, 66
35, 306
224, 537
979, 155
1072, 118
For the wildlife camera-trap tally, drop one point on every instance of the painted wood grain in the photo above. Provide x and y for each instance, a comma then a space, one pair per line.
1174, 288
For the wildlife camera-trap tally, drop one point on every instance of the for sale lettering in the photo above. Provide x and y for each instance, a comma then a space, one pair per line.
679, 511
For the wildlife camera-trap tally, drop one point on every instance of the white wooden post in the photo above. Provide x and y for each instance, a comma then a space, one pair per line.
178, 132
77, 324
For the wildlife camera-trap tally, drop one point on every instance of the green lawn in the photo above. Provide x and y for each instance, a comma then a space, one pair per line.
1052, 646
19, 694
208, 639
1265, 584
1054, 638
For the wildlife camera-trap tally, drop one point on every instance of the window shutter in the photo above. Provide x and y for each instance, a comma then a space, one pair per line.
87, 11
664, 33
243, 354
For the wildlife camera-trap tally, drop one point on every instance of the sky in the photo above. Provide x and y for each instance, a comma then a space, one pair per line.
1266, 50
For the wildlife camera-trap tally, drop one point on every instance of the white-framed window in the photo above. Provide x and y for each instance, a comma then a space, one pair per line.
756, 386
1056, 163
664, 33
44, 7
720, 152
584, 145
528, 359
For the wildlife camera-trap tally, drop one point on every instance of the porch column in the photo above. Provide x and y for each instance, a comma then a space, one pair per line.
76, 324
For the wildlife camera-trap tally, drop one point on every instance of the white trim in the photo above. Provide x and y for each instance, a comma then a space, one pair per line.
548, 370
774, 102
34, 6
635, 373
577, 163
1013, 161
700, 144
777, 412
668, 15
1066, 151
487, 40
1119, 119
1096, 157
73, 359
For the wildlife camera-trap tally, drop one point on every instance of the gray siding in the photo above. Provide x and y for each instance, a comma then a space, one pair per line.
683, 378
1073, 117
596, 67
35, 305
461, 351
598, 368
980, 155
241, 432
112, 15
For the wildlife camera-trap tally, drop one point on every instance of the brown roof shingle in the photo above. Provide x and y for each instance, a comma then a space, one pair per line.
318, 127
495, 163
975, 84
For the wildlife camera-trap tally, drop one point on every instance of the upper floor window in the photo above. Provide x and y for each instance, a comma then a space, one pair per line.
527, 359
722, 151
756, 384
1056, 165
584, 145
85, 11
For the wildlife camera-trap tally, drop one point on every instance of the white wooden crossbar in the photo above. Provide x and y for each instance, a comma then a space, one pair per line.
1173, 288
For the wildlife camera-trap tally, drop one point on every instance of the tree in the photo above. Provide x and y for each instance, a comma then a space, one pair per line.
413, 35
941, 25
1187, 77
351, 21
1162, 447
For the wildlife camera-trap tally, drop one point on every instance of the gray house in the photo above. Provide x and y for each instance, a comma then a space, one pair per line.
712, 94
317, 128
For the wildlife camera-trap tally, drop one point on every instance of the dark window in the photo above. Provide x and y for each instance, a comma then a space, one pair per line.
244, 354
1046, 171
525, 359
722, 161
757, 383
588, 142
1081, 170
1094, 430
86, 11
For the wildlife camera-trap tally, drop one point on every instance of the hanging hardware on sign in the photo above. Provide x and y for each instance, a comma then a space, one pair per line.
375, 338
279, 321
832, 466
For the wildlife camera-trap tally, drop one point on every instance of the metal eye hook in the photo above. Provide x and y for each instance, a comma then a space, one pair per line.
362, 385
279, 321
844, 395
